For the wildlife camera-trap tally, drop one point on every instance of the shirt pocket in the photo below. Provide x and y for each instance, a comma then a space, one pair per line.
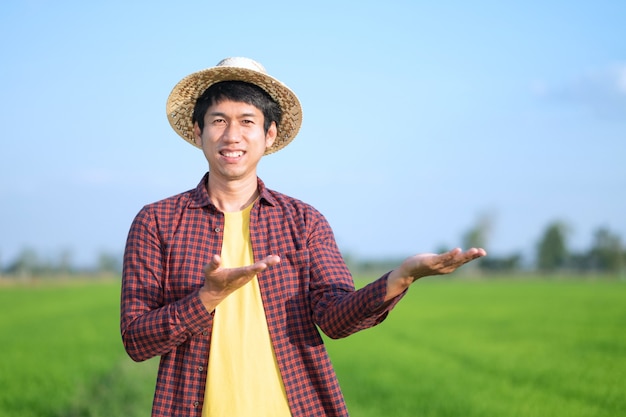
293, 271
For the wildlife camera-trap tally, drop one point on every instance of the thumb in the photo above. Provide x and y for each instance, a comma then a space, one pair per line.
214, 264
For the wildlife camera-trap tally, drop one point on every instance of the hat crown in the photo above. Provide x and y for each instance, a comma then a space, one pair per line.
242, 62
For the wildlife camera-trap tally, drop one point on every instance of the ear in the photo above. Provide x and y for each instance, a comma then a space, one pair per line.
270, 136
197, 134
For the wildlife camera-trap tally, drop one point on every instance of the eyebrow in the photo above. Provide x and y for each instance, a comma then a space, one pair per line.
217, 113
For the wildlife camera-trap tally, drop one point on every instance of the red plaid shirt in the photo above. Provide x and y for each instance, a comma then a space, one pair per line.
168, 245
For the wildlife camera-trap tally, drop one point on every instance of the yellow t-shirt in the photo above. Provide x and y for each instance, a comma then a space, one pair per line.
243, 379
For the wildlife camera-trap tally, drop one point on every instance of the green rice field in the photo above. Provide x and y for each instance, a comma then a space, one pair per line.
452, 347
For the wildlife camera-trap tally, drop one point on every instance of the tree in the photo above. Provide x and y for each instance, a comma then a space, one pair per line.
109, 263
26, 264
65, 263
501, 264
606, 251
552, 252
477, 237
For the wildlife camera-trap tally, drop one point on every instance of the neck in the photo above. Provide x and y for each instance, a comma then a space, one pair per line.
232, 195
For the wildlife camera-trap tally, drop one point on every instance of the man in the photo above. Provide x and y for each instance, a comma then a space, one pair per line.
229, 281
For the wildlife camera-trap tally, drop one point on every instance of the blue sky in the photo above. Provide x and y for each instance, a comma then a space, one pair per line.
419, 117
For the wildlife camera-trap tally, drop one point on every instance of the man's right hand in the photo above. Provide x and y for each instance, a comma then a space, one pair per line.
220, 282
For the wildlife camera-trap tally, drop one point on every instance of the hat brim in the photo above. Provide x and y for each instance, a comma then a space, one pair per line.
182, 100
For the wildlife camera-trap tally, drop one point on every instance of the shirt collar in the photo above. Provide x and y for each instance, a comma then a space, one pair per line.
200, 195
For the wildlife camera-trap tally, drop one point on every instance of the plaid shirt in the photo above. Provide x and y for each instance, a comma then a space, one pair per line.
168, 245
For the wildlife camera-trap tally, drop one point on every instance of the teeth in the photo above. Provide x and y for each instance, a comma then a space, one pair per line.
232, 154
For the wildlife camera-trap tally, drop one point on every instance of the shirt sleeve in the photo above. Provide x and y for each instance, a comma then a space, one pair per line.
149, 327
338, 309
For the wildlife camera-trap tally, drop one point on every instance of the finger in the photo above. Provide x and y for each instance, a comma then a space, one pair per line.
470, 255
265, 263
214, 264
452, 253
451, 257
271, 260
476, 252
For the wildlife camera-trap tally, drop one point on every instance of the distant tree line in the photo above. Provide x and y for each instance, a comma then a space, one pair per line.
28, 263
606, 254
553, 254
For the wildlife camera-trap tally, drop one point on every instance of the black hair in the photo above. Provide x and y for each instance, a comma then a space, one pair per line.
240, 91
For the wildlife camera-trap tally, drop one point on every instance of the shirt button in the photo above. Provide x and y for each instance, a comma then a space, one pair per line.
205, 333
200, 368
217, 230
196, 404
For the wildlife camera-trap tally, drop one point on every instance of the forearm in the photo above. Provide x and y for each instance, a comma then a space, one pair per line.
338, 309
341, 315
151, 324
155, 332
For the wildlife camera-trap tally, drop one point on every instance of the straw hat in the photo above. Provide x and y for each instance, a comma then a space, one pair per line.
182, 99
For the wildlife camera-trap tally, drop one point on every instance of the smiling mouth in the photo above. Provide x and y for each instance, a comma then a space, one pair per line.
233, 154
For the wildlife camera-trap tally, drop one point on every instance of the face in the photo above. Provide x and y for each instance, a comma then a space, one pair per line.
233, 139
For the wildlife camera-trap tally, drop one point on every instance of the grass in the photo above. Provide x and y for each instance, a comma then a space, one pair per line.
450, 348
491, 348
62, 354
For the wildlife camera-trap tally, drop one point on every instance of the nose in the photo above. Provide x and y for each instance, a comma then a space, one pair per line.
232, 133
